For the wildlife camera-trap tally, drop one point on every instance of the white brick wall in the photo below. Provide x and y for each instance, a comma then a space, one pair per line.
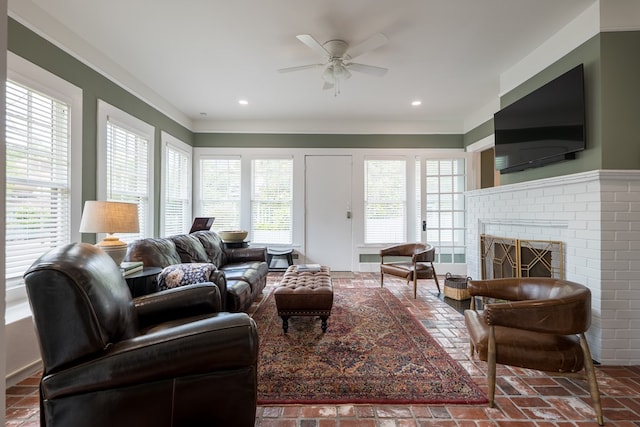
597, 217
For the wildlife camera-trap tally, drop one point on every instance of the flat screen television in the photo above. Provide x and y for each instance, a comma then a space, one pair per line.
543, 127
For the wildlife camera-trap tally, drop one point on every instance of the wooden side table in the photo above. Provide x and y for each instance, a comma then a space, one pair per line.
143, 282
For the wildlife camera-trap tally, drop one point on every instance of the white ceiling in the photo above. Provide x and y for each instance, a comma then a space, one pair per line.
196, 57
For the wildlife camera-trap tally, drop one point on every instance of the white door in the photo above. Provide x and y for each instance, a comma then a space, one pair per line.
328, 211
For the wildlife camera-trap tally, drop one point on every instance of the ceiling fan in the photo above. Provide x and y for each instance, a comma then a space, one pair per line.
338, 56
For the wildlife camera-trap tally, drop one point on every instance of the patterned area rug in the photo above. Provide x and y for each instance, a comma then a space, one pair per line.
374, 351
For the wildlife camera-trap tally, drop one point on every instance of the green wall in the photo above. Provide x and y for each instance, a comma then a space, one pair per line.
612, 93
479, 132
589, 159
620, 100
327, 141
27, 44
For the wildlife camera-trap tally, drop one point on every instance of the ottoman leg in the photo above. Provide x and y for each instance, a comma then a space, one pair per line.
285, 323
324, 323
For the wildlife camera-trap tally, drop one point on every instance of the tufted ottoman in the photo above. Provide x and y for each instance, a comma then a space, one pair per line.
304, 293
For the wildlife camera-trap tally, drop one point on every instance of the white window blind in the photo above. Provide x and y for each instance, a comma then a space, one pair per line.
220, 184
385, 201
271, 201
38, 177
127, 172
176, 206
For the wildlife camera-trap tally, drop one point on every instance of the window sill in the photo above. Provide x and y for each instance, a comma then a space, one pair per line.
16, 312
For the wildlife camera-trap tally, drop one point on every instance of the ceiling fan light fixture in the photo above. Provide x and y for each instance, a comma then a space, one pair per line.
340, 71
329, 75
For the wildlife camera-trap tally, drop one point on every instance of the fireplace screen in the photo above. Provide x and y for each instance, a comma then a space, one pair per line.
505, 257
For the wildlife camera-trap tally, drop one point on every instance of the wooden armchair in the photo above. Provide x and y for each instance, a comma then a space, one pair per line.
417, 263
538, 324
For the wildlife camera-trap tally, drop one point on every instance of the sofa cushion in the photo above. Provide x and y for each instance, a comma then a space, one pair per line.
189, 248
153, 252
247, 273
213, 247
177, 275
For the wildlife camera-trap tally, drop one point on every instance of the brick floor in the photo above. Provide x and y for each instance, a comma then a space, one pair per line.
523, 397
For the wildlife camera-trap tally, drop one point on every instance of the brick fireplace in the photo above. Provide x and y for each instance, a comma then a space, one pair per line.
596, 216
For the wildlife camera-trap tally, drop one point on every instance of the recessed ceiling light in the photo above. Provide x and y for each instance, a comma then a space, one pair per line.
243, 102
416, 103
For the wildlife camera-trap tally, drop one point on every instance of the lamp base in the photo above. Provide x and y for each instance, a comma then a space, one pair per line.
114, 247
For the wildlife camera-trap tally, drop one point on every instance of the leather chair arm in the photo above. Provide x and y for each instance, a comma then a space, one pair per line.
240, 255
564, 316
504, 289
397, 250
426, 255
176, 303
226, 341
541, 305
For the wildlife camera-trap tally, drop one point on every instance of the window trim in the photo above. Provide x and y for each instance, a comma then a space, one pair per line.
36, 78
121, 118
168, 140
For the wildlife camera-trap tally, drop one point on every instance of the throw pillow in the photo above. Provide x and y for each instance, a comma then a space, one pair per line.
184, 274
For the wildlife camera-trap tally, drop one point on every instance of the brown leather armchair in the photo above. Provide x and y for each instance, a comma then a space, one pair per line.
419, 266
534, 323
165, 359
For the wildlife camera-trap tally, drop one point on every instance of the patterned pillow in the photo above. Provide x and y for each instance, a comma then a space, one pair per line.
184, 274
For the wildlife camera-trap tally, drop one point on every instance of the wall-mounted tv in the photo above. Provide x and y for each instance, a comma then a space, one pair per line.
543, 127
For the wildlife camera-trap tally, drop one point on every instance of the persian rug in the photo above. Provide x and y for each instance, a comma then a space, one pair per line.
374, 351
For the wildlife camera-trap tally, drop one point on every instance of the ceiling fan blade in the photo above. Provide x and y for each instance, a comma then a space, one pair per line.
367, 69
299, 68
368, 45
313, 44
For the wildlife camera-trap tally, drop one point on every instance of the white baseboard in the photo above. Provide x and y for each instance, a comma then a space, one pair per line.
15, 377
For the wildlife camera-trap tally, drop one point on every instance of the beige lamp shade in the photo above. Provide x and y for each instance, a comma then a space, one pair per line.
110, 218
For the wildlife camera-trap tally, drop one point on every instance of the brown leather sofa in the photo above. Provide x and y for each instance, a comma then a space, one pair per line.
244, 269
164, 359
535, 323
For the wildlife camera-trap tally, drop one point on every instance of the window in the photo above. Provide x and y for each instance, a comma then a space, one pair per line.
272, 200
445, 208
385, 201
176, 186
43, 155
220, 191
126, 164
37, 199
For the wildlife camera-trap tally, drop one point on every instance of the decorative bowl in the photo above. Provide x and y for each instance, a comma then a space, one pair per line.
233, 235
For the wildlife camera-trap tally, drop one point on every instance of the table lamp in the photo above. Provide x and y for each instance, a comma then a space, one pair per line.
110, 217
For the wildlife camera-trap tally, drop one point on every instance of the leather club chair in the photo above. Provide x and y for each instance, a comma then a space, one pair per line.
417, 263
534, 323
165, 359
